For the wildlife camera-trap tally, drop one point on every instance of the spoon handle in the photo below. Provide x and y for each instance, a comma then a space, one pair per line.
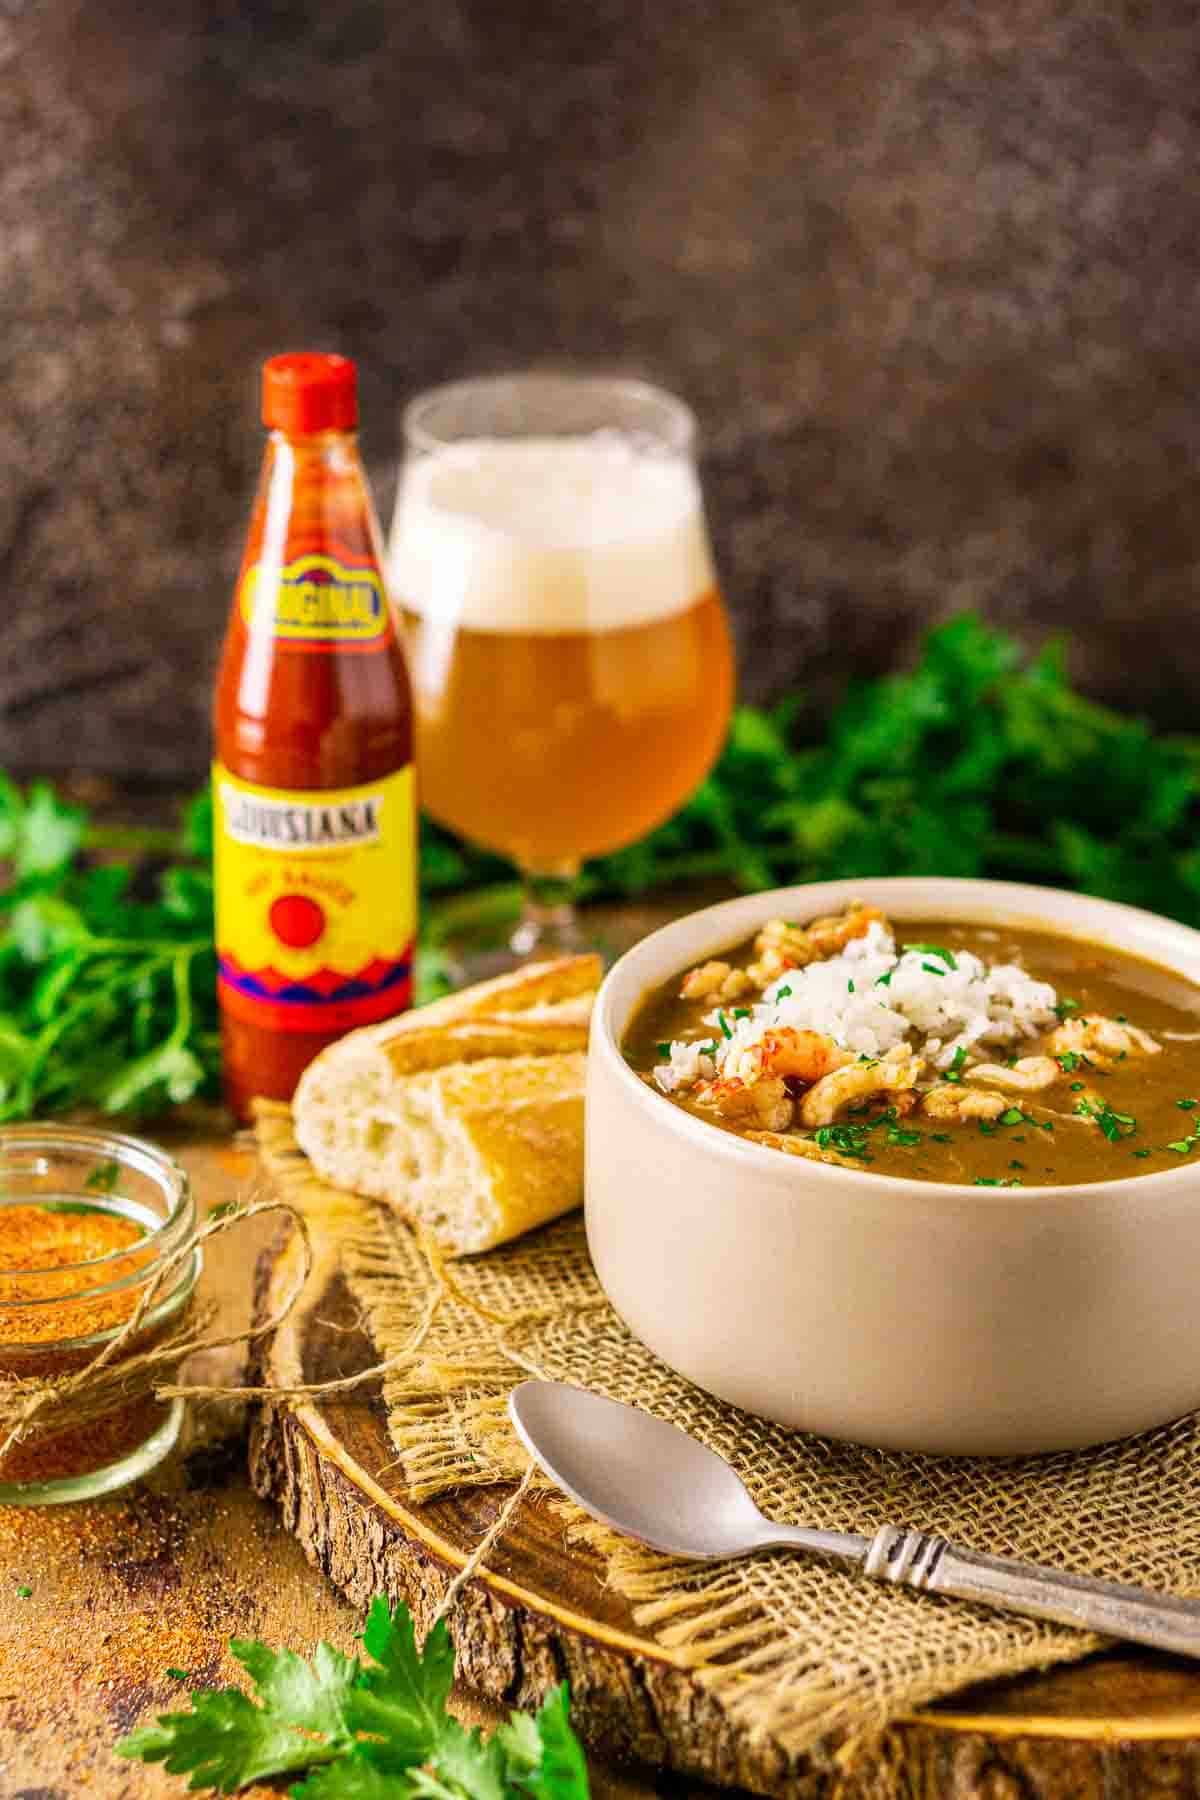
918, 1560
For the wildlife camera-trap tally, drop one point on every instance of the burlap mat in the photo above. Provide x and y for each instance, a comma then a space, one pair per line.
797, 1650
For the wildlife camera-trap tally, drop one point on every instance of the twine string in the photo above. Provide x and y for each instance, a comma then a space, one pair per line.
484, 1547
74, 1397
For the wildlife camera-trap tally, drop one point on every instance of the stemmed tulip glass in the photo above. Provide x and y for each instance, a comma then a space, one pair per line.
571, 661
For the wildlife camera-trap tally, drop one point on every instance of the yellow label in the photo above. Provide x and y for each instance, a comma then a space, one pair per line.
315, 599
316, 900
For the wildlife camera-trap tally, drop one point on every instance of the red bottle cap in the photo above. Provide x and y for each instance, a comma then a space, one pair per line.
307, 390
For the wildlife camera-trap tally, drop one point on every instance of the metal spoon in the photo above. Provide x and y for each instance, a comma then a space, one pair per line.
658, 1484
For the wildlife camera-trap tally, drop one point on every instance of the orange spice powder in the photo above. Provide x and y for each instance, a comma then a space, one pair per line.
50, 1269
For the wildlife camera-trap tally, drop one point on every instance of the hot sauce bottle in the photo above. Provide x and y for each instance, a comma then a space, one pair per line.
313, 788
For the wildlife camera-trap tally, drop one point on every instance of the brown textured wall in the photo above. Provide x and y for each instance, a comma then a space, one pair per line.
928, 270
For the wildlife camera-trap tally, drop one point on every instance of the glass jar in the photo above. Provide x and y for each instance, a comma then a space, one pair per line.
89, 1220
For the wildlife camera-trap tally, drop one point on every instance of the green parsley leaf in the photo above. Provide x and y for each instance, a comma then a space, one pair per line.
941, 1137
932, 969
1114, 1125
226, 1742
1068, 1061
1186, 1105
885, 980
947, 956
850, 1140
954, 1072
24, 1593
373, 1730
1065, 1007
1013, 1116
849, 987
1181, 1146
783, 993
403, 1700
662, 1049
559, 1772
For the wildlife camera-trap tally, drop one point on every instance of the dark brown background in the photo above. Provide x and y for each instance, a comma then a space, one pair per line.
928, 271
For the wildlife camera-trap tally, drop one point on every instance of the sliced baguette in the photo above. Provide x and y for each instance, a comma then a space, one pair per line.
466, 1115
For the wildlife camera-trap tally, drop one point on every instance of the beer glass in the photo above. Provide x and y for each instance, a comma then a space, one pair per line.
570, 658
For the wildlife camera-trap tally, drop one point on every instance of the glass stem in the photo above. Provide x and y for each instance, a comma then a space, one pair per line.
549, 924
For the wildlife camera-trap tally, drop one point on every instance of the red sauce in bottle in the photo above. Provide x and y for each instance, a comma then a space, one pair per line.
313, 786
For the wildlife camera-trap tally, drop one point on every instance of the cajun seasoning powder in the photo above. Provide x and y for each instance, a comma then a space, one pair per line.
88, 1220
314, 792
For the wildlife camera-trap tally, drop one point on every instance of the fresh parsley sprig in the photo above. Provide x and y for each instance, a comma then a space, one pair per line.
107, 999
373, 1729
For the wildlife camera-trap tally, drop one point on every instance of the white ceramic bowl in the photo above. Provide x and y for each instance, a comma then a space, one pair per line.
915, 1315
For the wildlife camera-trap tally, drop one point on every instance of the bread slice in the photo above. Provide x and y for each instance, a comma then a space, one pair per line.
466, 1115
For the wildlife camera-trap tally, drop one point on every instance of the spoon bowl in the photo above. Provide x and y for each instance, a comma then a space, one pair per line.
645, 1477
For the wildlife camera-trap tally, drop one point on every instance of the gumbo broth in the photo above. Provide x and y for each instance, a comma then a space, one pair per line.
1080, 1063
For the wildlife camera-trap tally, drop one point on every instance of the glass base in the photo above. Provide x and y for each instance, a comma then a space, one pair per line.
67, 1488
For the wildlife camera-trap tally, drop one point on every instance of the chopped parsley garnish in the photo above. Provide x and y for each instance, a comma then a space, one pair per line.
663, 1049
850, 1140
1066, 1006
897, 1136
885, 980
941, 1137
1181, 1146
724, 1024
1121, 1019
24, 1593
1077, 1087
1139, 1153
932, 969
1014, 1116
1114, 1125
783, 993
954, 1072
1046, 1124
741, 1012
947, 956
1069, 1060
1015, 1164
996, 1181
1186, 1105
849, 987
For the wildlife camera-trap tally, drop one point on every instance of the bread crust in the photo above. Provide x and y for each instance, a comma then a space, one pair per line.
466, 1115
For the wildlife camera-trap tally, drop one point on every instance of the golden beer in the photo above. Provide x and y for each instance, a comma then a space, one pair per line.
571, 664
551, 747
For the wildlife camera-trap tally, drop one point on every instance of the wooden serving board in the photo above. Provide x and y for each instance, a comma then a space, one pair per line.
1114, 1726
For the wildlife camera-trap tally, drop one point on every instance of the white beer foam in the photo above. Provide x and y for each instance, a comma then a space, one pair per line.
547, 535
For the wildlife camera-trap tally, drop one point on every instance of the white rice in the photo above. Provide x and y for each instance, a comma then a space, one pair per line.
870, 998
